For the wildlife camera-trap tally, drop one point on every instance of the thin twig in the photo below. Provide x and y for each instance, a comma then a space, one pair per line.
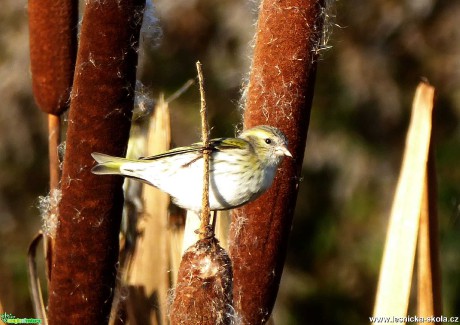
34, 282
205, 215
180, 91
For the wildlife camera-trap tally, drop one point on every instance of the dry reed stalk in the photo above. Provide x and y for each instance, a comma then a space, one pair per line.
87, 239
148, 276
190, 237
279, 93
48, 240
223, 227
54, 139
132, 210
175, 242
429, 301
177, 216
392, 298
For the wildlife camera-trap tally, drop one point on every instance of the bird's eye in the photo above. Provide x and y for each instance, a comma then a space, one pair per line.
268, 141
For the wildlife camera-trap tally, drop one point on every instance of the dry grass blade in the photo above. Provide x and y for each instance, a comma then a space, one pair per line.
34, 281
398, 260
180, 91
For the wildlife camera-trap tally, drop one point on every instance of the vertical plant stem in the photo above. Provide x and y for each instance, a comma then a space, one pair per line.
203, 293
205, 213
395, 279
279, 93
429, 275
86, 245
54, 132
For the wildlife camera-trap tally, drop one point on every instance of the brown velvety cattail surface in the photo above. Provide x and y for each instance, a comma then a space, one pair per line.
53, 47
86, 247
203, 294
279, 93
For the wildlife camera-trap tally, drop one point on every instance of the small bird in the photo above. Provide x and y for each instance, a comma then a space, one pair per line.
240, 169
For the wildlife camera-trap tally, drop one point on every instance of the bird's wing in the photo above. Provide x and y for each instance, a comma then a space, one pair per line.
174, 152
223, 144
219, 144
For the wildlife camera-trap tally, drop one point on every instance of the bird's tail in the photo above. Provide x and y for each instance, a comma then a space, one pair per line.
107, 165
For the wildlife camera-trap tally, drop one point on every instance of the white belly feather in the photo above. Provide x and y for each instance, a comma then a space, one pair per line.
228, 187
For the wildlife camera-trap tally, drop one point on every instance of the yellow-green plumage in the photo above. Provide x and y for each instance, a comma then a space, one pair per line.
107, 165
241, 169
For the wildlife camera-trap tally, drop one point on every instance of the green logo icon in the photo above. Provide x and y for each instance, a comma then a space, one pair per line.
11, 319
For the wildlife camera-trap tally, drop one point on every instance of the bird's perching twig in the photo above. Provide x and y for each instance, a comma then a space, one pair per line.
205, 212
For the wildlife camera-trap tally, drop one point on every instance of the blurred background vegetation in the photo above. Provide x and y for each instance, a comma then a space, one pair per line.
379, 51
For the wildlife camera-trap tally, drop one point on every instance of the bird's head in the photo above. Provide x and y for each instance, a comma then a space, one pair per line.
269, 143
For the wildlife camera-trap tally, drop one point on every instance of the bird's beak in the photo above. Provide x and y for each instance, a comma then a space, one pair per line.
283, 151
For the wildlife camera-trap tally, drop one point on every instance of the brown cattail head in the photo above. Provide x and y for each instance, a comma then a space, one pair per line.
87, 237
53, 47
204, 291
279, 93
